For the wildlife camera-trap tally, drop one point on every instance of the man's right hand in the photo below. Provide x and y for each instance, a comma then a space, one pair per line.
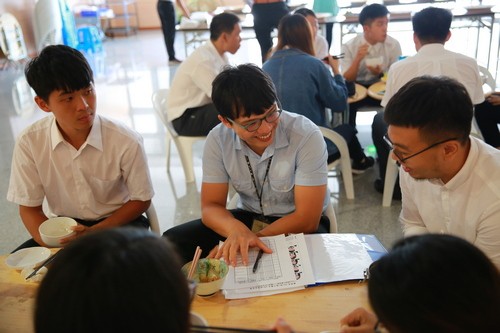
362, 51
358, 321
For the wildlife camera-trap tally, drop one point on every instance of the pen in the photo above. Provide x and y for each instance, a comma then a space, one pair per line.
256, 265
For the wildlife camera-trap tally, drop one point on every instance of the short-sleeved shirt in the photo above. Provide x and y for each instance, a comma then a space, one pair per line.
389, 50
90, 183
434, 59
192, 83
298, 158
467, 206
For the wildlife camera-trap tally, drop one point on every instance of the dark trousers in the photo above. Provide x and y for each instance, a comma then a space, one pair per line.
166, 11
266, 17
197, 121
379, 129
188, 236
354, 107
140, 222
348, 132
488, 118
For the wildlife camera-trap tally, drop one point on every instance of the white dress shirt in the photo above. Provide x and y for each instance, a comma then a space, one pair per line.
90, 183
389, 50
320, 47
434, 59
192, 83
467, 206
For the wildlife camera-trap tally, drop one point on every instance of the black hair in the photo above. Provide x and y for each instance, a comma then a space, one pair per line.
432, 25
117, 280
304, 12
243, 91
221, 23
372, 12
435, 283
58, 67
439, 107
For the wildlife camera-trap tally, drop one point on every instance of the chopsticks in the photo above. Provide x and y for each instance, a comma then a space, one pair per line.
194, 263
339, 56
218, 329
45, 263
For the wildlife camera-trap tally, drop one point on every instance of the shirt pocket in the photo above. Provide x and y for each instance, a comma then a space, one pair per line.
108, 191
282, 191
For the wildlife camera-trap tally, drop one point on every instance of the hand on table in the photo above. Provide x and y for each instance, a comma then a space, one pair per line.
358, 321
281, 326
238, 241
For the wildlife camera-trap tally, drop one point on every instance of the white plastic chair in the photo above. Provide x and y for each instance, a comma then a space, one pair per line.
344, 160
12, 39
184, 144
391, 175
330, 212
154, 223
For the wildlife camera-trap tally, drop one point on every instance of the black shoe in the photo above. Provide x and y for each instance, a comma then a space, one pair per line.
174, 61
379, 187
360, 167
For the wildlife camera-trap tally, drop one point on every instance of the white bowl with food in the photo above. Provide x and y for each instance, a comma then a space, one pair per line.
53, 230
374, 61
209, 275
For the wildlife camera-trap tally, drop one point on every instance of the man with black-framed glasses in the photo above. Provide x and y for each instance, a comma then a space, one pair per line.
450, 181
276, 162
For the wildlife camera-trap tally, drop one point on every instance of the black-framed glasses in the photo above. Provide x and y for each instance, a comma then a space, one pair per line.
254, 125
401, 159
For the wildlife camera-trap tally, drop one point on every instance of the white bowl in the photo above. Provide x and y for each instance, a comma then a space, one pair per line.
374, 62
28, 257
211, 287
197, 319
55, 229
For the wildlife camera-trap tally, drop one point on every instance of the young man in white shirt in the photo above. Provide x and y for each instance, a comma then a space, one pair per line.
189, 105
373, 44
431, 28
83, 165
450, 181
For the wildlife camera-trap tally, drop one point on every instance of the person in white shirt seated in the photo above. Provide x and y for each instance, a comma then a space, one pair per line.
189, 104
321, 49
450, 181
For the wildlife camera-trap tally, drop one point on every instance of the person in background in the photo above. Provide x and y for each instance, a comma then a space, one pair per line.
166, 12
189, 104
450, 180
488, 118
305, 86
114, 281
373, 45
276, 162
320, 44
430, 283
266, 17
431, 28
83, 165
330, 7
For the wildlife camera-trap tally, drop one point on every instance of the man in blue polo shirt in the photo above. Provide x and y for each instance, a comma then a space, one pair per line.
275, 160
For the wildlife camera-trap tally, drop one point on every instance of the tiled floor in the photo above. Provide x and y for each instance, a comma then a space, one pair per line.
127, 73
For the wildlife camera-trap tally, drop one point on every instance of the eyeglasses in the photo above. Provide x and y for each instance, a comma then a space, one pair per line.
254, 125
402, 160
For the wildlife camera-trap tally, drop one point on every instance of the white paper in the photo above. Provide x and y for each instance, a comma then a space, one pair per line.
287, 269
337, 257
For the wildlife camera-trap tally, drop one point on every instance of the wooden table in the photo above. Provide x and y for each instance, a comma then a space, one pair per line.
361, 93
314, 309
377, 90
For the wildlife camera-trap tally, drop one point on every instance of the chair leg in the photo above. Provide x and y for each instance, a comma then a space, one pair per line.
347, 176
185, 149
167, 151
391, 174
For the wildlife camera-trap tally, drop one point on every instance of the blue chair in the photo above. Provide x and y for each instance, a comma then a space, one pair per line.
89, 39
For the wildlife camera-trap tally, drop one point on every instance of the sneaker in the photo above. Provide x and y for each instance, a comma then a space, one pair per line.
174, 61
379, 187
360, 167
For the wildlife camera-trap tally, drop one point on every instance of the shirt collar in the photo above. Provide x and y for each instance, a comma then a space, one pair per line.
94, 139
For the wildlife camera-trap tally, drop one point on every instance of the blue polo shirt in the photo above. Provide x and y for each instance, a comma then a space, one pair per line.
299, 157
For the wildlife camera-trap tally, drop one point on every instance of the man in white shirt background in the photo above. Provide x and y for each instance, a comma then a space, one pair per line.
189, 106
450, 181
431, 28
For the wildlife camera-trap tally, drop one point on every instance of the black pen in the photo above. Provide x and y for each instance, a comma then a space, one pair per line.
256, 265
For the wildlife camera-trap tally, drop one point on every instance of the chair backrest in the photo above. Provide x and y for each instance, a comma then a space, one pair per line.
11, 38
487, 79
159, 99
